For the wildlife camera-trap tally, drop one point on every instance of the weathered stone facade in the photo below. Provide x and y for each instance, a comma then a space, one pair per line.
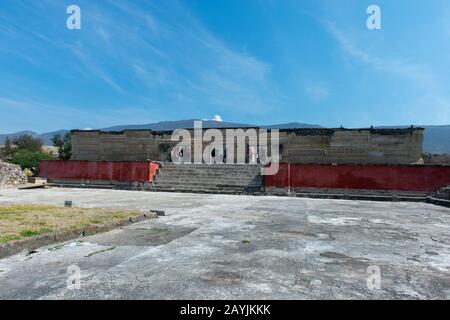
362, 146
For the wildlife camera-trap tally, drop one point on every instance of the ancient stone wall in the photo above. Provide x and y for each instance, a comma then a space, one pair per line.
364, 146
360, 146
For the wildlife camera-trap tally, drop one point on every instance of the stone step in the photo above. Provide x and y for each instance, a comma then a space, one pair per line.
210, 170
223, 181
207, 190
224, 168
199, 184
214, 166
208, 178
204, 165
209, 174
252, 169
78, 185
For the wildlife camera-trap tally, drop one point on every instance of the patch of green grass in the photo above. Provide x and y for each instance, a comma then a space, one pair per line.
95, 221
4, 239
28, 233
32, 233
14, 209
29, 220
121, 214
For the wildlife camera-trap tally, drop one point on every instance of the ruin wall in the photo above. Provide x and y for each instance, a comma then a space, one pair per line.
320, 146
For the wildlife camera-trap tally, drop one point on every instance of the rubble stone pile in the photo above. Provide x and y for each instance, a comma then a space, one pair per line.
11, 175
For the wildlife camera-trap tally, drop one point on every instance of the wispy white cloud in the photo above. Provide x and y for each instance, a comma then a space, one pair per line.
179, 55
426, 83
164, 55
94, 68
27, 110
415, 71
317, 92
14, 104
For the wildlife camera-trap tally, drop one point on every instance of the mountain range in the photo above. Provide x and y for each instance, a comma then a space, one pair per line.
436, 137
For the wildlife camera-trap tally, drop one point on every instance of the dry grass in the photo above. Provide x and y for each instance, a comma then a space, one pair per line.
21, 221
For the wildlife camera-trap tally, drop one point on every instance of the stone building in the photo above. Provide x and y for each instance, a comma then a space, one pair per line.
312, 145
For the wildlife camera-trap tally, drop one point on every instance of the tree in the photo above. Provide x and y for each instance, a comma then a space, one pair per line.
7, 149
28, 142
57, 140
64, 145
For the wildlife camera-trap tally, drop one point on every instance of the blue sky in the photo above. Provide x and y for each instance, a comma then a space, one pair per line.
248, 61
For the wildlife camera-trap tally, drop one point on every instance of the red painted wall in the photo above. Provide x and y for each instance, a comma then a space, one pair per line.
98, 170
376, 177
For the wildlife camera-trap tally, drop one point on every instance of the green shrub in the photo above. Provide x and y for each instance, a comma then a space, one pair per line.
29, 159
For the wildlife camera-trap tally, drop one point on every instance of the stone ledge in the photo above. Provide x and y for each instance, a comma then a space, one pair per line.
283, 192
438, 202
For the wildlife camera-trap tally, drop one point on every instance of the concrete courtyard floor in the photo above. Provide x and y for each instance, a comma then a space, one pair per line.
239, 247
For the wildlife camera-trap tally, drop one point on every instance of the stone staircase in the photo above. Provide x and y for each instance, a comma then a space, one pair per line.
209, 178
